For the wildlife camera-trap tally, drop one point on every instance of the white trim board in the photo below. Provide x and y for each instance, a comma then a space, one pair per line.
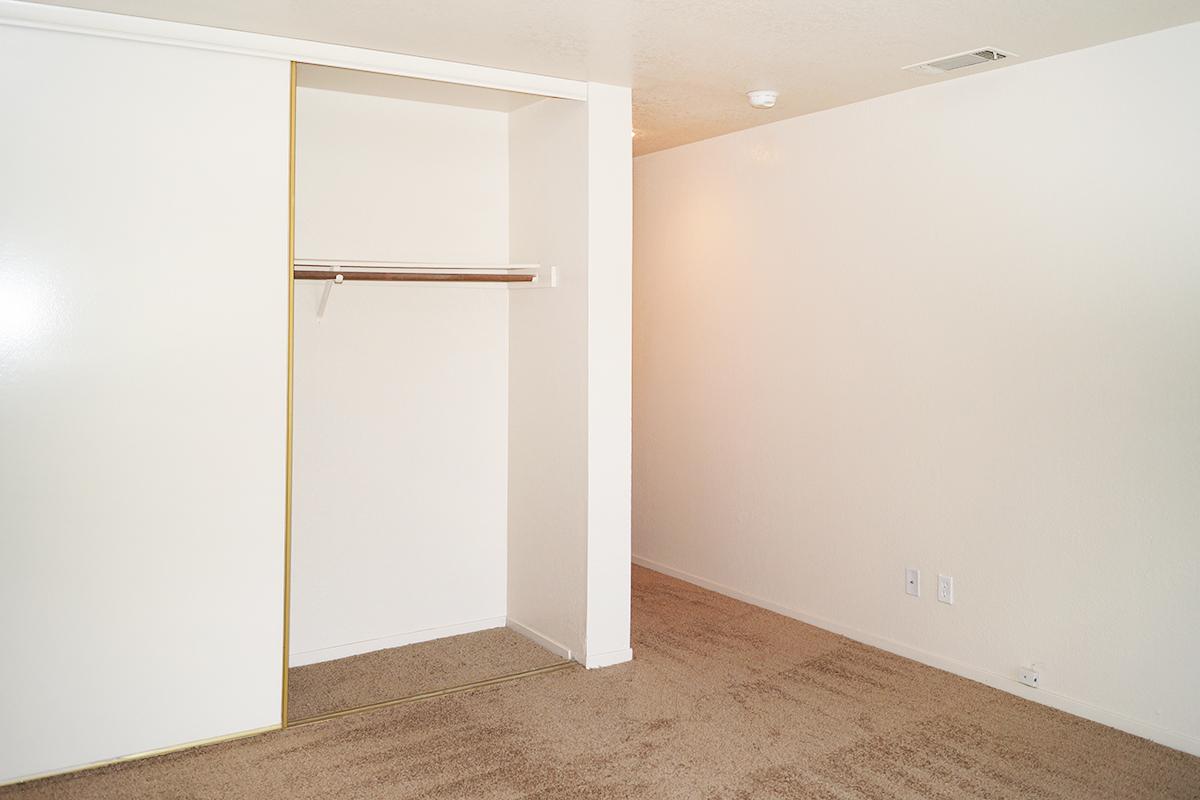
1005, 683
540, 638
395, 640
609, 659
153, 31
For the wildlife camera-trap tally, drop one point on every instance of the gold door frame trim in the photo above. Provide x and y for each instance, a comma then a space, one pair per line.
291, 348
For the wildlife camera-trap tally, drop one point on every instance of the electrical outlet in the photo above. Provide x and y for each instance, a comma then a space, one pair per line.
946, 589
1029, 677
912, 581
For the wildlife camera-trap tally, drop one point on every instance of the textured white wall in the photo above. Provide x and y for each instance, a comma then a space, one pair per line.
399, 520
956, 329
143, 356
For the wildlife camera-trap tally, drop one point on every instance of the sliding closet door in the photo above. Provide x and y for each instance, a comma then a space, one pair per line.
143, 336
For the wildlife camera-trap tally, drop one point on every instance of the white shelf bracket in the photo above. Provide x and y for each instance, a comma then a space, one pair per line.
544, 277
325, 295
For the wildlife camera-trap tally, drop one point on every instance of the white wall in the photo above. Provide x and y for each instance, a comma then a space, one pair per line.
610, 335
548, 372
143, 320
386, 179
569, 375
399, 523
956, 329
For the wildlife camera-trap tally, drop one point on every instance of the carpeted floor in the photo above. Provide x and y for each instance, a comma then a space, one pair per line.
723, 700
413, 669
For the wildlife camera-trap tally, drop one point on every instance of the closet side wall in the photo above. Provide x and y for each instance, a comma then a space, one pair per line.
548, 373
143, 356
401, 393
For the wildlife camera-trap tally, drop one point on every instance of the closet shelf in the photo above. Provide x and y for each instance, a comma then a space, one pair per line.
510, 276
339, 271
462, 277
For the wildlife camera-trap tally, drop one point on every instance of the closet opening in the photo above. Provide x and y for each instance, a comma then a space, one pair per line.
420, 218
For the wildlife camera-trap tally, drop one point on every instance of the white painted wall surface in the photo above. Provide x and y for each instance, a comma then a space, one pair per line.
142, 398
399, 523
385, 179
610, 334
569, 376
955, 329
548, 374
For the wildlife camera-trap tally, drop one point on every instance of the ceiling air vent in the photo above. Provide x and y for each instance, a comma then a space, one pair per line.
959, 60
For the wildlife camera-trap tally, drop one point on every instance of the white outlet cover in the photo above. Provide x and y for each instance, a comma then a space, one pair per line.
1029, 677
946, 589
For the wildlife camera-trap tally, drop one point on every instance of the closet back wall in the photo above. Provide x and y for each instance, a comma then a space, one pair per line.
401, 391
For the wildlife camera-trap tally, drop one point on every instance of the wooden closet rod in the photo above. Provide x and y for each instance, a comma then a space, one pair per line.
461, 277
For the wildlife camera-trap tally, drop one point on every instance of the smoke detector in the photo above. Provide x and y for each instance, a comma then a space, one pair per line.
763, 98
970, 58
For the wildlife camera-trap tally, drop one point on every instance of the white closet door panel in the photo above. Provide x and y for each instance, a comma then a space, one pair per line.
143, 284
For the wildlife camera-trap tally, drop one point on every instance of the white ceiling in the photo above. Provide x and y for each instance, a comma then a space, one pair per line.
691, 61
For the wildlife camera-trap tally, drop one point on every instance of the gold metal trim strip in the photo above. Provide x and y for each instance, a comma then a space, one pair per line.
291, 348
162, 751
466, 687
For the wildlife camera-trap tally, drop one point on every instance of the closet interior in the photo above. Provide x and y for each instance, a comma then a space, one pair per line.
429, 237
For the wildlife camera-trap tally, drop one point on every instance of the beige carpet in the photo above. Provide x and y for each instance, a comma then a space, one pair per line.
414, 669
723, 700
